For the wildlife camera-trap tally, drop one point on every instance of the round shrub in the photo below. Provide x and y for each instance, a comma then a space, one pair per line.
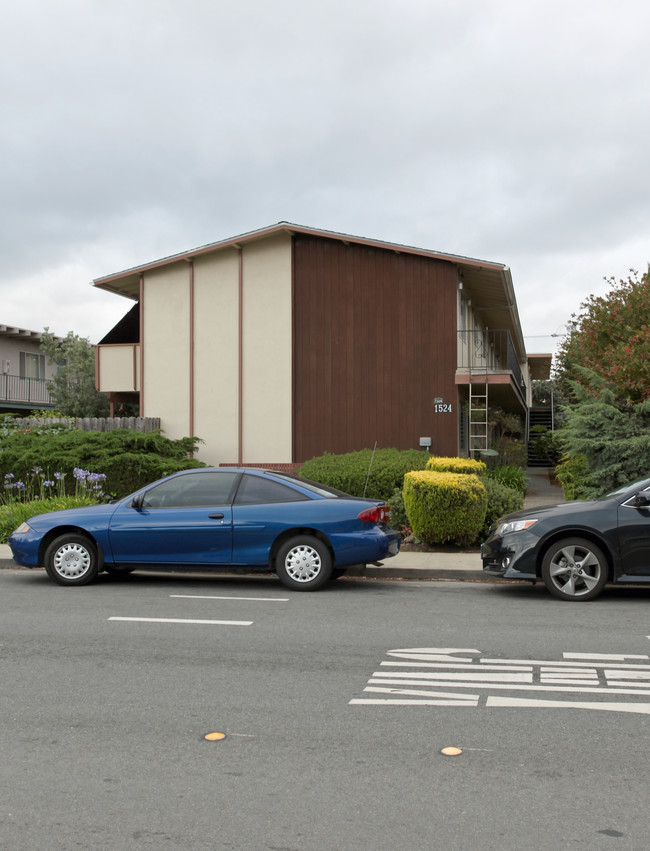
444, 507
456, 465
501, 500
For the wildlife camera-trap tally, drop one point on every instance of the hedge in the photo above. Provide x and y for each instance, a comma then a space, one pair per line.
501, 500
348, 472
12, 515
129, 459
510, 475
456, 465
445, 507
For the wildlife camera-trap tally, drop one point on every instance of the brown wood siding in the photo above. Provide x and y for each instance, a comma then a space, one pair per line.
374, 343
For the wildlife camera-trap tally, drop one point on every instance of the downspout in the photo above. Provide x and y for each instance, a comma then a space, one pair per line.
142, 345
240, 437
192, 348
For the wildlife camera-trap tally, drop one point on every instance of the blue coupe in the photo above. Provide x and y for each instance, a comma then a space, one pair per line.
306, 532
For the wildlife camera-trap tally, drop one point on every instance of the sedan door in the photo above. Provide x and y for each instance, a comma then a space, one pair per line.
634, 537
186, 519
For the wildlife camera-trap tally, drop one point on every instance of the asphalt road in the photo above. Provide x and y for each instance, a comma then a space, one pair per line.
333, 739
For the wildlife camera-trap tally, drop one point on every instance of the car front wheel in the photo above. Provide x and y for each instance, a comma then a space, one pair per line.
574, 569
71, 560
303, 563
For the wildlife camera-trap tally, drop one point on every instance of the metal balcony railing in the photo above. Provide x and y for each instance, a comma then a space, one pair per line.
25, 391
490, 352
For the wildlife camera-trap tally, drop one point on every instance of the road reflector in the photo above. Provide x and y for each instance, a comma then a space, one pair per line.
214, 737
451, 751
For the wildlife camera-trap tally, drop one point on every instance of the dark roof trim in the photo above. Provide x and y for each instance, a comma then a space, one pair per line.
289, 228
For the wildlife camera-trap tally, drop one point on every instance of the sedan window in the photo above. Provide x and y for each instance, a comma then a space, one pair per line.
255, 489
191, 491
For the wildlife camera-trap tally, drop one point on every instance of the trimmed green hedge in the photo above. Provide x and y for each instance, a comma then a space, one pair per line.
500, 500
348, 472
456, 465
129, 459
445, 507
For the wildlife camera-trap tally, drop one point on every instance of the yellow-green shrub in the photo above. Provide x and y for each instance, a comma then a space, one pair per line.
444, 507
456, 465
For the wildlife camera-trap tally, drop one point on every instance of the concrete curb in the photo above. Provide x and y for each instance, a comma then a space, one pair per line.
405, 566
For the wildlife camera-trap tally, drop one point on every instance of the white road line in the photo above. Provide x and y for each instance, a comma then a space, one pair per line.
545, 662
248, 599
641, 708
476, 675
627, 675
609, 657
183, 620
456, 667
391, 702
512, 687
463, 697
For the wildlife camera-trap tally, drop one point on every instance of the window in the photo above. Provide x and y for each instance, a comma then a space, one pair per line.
191, 491
255, 489
31, 365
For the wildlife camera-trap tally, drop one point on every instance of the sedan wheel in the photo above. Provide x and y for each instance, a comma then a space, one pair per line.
71, 560
303, 563
574, 569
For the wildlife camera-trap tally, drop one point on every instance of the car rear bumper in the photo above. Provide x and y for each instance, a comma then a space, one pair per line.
373, 545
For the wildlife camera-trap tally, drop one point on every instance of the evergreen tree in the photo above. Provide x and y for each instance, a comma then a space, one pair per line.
612, 436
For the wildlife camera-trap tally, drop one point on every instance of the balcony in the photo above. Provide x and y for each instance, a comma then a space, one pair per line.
489, 357
24, 392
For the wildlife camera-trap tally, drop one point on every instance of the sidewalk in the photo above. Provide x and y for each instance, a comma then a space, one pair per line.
448, 564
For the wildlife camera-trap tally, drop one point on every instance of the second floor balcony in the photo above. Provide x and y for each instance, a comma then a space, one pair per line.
489, 356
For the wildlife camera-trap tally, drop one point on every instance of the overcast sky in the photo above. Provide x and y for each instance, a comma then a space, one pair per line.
516, 131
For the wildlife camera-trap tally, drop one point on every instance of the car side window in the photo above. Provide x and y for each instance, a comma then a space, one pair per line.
255, 489
191, 491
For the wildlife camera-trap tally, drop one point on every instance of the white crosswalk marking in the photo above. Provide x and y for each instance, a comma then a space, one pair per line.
437, 677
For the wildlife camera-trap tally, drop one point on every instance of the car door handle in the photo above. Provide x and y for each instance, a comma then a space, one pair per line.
216, 516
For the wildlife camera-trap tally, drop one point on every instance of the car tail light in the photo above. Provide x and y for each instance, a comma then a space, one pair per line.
376, 514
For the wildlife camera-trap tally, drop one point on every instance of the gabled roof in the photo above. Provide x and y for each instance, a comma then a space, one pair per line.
488, 284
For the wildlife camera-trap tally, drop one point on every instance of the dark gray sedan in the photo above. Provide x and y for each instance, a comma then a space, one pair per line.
576, 548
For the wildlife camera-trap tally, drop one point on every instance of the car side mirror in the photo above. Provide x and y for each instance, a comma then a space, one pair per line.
641, 500
137, 501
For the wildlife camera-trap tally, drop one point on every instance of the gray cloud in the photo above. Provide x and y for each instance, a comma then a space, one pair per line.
511, 131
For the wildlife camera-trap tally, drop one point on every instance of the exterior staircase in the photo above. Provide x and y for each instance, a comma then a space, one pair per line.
538, 417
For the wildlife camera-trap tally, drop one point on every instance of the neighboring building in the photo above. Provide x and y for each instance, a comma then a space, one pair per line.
25, 375
283, 343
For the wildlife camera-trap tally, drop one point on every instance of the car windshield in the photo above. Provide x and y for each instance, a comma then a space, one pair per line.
314, 487
642, 484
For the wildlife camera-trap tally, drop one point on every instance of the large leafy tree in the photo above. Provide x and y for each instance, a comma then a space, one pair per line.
611, 337
74, 392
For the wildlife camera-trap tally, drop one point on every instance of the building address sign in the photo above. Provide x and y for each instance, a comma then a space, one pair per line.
441, 407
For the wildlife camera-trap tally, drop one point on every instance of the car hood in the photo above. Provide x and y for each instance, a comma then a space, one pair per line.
71, 514
544, 511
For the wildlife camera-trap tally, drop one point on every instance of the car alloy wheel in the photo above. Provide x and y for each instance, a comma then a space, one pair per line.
574, 569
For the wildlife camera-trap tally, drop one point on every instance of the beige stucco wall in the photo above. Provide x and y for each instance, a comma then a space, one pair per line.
267, 337
266, 385
166, 341
119, 368
216, 359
